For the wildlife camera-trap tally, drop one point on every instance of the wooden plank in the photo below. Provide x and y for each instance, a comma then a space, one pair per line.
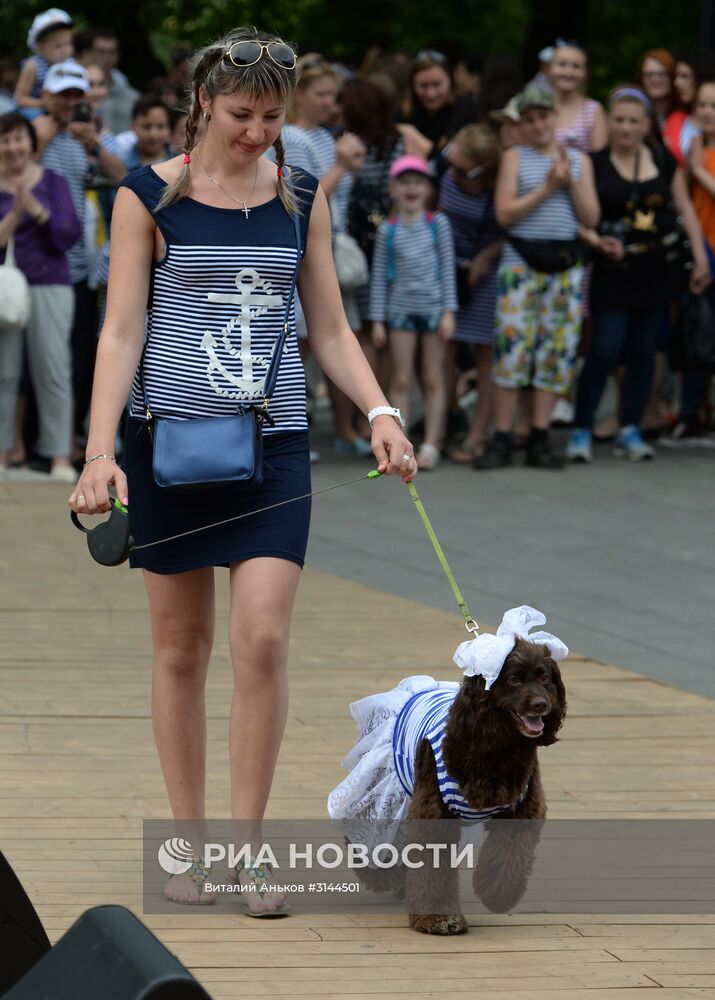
79, 772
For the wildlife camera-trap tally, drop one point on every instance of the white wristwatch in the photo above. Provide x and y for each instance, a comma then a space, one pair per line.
386, 411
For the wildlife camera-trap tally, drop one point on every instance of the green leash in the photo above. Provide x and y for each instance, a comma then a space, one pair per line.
470, 623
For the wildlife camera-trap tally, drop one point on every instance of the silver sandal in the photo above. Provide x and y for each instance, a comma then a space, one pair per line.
199, 873
258, 875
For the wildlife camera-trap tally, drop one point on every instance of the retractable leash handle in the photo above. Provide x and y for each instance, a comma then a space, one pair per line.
110, 542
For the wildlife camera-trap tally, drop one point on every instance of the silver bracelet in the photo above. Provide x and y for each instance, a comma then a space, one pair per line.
94, 458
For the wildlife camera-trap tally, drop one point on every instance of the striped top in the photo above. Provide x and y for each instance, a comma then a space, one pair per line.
67, 157
472, 217
41, 67
554, 218
475, 228
577, 135
317, 149
424, 717
424, 283
216, 307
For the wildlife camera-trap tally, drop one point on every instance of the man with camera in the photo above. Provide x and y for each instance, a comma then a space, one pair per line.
69, 144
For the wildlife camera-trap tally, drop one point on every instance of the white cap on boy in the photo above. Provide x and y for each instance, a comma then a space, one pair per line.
52, 18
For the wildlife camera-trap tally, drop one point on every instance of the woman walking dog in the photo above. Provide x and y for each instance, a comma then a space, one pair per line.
209, 239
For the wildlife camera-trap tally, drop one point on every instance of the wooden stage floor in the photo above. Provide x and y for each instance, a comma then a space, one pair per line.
78, 772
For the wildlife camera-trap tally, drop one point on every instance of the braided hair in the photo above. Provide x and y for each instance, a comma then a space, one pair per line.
285, 191
218, 77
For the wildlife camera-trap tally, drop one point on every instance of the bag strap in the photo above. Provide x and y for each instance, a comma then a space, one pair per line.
392, 228
276, 357
432, 223
272, 375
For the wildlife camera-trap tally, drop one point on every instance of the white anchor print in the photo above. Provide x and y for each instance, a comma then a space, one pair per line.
251, 306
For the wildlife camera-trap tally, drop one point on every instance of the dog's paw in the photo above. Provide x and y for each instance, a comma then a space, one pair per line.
439, 923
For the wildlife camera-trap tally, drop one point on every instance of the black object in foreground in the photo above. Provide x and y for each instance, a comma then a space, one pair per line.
111, 541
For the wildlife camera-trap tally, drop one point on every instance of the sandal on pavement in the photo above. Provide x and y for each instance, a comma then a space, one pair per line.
199, 873
428, 457
258, 878
467, 451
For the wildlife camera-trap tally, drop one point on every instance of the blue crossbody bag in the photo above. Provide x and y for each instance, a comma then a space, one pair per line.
207, 452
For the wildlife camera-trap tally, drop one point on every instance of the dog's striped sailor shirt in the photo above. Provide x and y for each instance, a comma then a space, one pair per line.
424, 716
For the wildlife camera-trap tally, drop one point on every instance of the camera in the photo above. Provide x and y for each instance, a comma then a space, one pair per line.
82, 112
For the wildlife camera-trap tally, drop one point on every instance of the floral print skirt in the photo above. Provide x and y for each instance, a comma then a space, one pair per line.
538, 328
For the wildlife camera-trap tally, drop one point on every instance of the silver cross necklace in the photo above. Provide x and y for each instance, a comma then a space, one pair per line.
213, 180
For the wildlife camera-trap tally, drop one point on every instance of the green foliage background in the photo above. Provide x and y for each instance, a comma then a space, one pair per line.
615, 31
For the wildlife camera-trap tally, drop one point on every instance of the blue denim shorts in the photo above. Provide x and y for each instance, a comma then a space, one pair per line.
414, 322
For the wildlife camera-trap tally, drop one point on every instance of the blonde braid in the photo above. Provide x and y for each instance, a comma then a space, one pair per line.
285, 191
181, 186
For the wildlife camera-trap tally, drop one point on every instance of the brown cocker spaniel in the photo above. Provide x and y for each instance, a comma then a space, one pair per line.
490, 748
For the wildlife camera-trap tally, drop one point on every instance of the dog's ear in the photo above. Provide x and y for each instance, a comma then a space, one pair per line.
554, 720
477, 718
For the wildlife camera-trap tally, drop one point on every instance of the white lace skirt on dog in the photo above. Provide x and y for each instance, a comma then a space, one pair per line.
371, 802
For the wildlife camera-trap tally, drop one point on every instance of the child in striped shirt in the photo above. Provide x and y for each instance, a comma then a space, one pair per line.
50, 38
413, 295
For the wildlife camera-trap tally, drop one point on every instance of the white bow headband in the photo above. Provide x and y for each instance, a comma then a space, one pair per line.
485, 655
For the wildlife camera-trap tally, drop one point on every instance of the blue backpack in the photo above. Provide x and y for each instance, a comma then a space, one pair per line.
392, 229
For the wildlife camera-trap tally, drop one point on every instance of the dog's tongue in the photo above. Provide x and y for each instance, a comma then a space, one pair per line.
534, 723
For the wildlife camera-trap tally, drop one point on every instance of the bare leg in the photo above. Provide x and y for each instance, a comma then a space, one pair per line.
18, 455
434, 385
181, 606
523, 418
653, 417
343, 412
505, 403
403, 347
542, 405
262, 597
484, 354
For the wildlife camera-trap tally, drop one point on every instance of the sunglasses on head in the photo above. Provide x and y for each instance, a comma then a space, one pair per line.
466, 175
317, 63
431, 56
248, 53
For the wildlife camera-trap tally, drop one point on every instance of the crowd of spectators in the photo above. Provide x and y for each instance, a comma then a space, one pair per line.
505, 247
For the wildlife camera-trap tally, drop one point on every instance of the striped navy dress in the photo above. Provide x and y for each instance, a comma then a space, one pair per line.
424, 717
215, 311
554, 217
475, 228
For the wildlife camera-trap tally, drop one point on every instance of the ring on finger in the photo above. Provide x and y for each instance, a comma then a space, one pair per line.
406, 458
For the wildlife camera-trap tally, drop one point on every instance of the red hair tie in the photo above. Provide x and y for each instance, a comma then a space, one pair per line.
187, 158
280, 171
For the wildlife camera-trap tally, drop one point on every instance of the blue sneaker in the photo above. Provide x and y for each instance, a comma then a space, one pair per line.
630, 444
578, 448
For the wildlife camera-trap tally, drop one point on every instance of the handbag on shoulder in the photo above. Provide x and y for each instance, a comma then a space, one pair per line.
201, 453
351, 264
14, 292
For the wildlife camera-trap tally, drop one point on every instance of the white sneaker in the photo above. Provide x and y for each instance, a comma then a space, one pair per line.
25, 475
428, 457
629, 444
563, 412
63, 474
